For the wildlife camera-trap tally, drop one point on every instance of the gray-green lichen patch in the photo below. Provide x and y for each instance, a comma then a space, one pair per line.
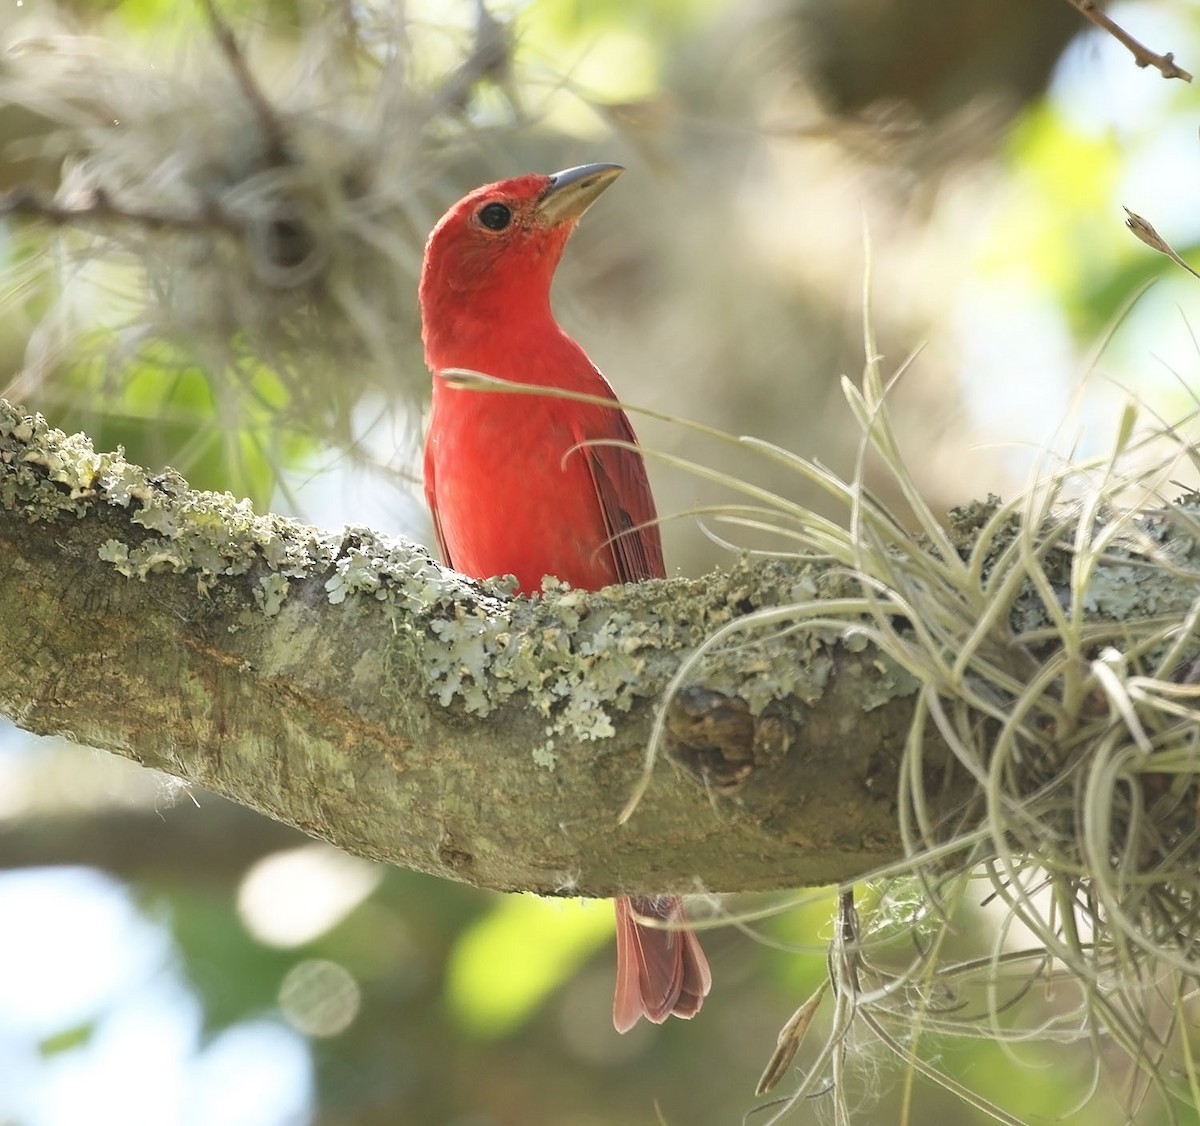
271, 593
442, 604
1115, 592
396, 572
51, 474
549, 647
879, 681
29, 460
577, 656
582, 657
217, 534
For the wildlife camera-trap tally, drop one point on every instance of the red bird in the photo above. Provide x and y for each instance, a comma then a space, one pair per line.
513, 488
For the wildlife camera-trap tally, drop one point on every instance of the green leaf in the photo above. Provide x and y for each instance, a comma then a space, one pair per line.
66, 1040
505, 965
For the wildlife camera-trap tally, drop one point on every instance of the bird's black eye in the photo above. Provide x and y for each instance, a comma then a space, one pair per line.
495, 216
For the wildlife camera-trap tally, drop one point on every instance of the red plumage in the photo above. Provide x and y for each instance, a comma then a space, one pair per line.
514, 485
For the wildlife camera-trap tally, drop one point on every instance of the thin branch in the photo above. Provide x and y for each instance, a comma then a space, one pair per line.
490, 58
276, 135
1142, 55
97, 204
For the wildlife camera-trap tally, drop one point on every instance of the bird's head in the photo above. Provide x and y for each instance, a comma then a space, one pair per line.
499, 245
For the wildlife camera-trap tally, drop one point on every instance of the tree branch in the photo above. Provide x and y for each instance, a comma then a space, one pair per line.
215, 844
1142, 55
346, 684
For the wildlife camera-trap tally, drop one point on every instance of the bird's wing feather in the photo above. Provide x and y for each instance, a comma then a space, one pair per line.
626, 503
431, 501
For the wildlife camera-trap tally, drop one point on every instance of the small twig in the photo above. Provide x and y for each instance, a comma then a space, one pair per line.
1154, 240
278, 148
1142, 55
98, 205
490, 57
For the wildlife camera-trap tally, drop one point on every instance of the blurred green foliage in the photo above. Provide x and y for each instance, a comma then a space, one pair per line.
230, 433
507, 963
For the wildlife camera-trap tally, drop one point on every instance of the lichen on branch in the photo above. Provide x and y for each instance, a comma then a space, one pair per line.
348, 684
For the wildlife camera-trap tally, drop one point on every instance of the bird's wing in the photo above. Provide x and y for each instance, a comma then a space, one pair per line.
431, 500
623, 489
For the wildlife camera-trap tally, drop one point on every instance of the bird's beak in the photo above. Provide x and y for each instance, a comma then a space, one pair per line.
572, 191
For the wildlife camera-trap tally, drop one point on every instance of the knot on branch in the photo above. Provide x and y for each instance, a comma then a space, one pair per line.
716, 738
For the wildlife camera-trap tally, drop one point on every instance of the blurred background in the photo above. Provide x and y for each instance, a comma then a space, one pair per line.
239, 301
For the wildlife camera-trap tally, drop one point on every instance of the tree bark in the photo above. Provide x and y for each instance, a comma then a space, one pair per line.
346, 684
